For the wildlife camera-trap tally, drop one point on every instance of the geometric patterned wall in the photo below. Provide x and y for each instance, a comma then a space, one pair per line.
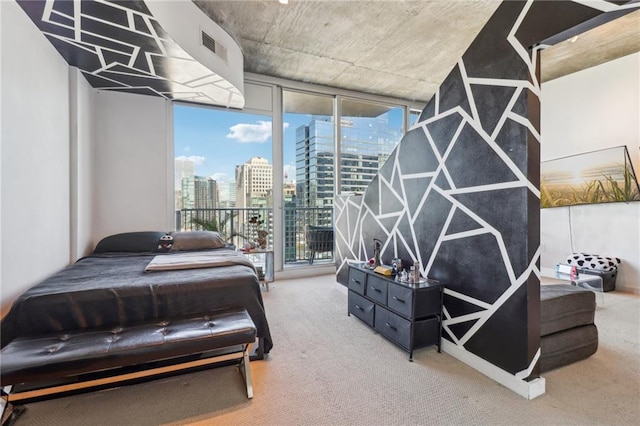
460, 193
120, 46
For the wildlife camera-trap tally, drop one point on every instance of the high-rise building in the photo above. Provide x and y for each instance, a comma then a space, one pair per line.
227, 194
199, 192
254, 183
184, 167
365, 145
199, 198
254, 197
291, 228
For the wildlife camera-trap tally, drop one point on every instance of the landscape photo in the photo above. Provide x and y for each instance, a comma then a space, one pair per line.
602, 176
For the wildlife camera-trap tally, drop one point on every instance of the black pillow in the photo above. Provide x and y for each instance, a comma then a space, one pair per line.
133, 242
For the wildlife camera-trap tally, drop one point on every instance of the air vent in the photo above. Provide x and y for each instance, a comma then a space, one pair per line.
215, 47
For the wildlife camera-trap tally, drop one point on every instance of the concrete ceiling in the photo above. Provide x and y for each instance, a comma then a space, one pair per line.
401, 49
602, 44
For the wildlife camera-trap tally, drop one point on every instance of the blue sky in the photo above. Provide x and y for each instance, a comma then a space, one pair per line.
219, 140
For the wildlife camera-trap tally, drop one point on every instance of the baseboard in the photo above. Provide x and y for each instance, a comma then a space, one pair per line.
304, 271
626, 289
529, 390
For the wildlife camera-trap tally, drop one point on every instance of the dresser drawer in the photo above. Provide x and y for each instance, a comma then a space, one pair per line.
428, 302
400, 300
377, 289
361, 308
357, 280
426, 332
393, 327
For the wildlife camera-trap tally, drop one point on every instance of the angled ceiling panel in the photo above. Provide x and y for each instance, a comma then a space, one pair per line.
127, 46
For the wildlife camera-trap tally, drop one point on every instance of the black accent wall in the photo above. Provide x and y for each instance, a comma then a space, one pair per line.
460, 193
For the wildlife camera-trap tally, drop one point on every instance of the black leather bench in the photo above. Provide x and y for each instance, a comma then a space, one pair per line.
124, 353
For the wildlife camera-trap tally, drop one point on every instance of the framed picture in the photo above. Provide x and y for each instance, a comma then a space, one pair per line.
602, 176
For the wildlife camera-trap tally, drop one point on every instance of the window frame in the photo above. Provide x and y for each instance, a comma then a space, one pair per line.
275, 87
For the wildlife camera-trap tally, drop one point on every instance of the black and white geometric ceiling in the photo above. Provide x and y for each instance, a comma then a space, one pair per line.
460, 193
119, 45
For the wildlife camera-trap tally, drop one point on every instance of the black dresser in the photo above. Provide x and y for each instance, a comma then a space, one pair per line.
408, 314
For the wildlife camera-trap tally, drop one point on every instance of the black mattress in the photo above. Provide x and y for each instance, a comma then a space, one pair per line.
108, 290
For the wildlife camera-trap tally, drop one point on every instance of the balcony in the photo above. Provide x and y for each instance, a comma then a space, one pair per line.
239, 226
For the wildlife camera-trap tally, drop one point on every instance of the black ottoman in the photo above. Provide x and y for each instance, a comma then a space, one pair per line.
567, 331
608, 277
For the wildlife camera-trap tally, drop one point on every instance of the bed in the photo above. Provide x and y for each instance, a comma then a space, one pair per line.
114, 288
111, 288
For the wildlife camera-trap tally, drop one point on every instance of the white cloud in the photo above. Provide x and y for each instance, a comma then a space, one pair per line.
220, 177
195, 159
247, 133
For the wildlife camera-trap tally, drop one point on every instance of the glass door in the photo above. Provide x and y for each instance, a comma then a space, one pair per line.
368, 134
308, 146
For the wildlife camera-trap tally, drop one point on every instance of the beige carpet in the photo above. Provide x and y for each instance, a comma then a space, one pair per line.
327, 368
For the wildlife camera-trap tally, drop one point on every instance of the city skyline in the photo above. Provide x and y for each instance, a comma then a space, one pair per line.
218, 141
220, 154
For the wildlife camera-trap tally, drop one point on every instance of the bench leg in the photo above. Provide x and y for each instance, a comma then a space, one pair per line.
9, 412
246, 372
257, 349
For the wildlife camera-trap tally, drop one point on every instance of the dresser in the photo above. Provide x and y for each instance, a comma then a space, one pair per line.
407, 314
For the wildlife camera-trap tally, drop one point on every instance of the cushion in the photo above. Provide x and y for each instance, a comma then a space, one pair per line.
593, 261
134, 242
563, 306
568, 346
196, 240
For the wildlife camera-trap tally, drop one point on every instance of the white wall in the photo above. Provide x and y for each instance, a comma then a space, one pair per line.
132, 164
611, 229
82, 122
35, 155
593, 109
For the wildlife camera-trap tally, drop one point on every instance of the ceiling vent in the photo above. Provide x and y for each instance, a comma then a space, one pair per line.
214, 46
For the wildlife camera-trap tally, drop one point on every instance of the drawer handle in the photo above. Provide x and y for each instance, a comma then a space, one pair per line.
391, 326
398, 299
355, 281
358, 307
376, 289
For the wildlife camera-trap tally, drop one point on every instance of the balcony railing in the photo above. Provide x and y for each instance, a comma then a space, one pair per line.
239, 226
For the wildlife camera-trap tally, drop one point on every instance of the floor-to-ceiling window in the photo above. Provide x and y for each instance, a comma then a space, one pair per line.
368, 134
223, 172
330, 142
414, 115
308, 149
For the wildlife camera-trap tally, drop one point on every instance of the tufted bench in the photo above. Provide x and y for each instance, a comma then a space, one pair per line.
223, 336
